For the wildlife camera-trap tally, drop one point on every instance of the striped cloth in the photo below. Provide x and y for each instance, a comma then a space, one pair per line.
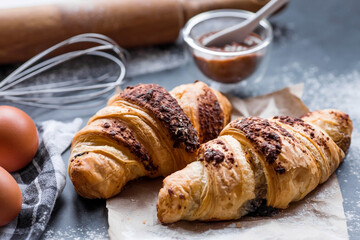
42, 181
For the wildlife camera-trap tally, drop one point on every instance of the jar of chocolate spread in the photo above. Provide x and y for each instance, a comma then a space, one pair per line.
231, 63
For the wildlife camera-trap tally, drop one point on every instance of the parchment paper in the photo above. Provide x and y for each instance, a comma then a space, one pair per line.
132, 214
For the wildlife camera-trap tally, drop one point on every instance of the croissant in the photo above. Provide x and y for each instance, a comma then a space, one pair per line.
144, 131
279, 160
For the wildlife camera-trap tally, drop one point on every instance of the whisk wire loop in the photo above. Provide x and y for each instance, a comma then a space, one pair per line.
71, 91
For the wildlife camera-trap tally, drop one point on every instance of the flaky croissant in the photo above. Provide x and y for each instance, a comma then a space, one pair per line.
280, 160
144, 131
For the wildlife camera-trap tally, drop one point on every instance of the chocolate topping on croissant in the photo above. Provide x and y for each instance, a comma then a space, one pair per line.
160, 103
264, 134
119, 131
210, 114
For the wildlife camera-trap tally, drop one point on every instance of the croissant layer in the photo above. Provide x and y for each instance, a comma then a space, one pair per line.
279, 160
143, 131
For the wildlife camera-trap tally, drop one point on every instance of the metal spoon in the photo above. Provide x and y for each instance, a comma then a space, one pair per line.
240, 31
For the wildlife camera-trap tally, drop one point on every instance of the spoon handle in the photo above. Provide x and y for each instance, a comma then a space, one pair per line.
265, 11
239, 31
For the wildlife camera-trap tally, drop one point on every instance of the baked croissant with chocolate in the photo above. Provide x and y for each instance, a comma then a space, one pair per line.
144, 131
279, 160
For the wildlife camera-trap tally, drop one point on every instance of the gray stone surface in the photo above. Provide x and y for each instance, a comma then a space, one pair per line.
316, 43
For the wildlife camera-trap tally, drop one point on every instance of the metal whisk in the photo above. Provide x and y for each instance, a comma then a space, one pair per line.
64, 94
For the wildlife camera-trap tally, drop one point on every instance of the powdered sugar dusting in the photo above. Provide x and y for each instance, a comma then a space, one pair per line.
155, 59
77, 234
322, 90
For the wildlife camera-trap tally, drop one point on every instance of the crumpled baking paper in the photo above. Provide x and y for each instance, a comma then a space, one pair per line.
132, 213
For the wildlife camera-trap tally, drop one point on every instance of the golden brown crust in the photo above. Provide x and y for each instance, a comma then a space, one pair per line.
335, 123
288, 158
119, 131
290, 169
142, 132
327, 154
167, 110
298, 122
216, 186
207, 108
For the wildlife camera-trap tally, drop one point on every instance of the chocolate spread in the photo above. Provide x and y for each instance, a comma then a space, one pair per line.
230, 69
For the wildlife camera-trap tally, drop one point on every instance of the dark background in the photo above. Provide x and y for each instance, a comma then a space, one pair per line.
316, 42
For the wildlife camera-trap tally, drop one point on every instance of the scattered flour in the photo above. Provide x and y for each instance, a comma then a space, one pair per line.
76, 234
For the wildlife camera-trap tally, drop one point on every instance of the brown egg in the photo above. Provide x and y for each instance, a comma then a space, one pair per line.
18, 138
10, 197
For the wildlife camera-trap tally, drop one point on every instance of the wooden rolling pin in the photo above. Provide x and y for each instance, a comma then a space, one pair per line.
26, 30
